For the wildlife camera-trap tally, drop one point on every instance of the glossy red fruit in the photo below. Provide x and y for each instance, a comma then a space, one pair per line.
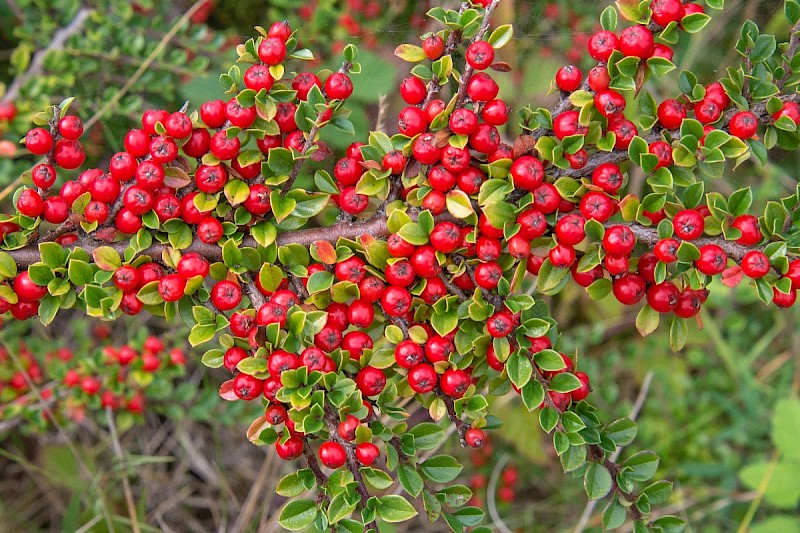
475, 438
39, 141
454, 383
568, 78
480, 55
291, 449
413, 90
171, 287
743, 125
751, 232
370, 381
671, 113
602, 44
527, 173
338, 86
755, 264
433, 47
688, 224
637, 41
629, 288
226, 295
367, 453
422, 378
663, 297
713, 260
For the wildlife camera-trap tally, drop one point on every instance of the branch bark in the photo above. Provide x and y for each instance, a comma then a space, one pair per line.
37, 64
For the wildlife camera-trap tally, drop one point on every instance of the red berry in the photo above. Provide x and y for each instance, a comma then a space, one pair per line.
475, 438
433, 47
422, 378
637, 41
755, 264
39, 141
367, 453
272, 50
480, 55
743, 124
338, 86
370, 381
332, 454
602, 44
568, 78
688, 224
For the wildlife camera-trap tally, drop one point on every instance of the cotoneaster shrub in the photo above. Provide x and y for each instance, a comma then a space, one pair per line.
344, 298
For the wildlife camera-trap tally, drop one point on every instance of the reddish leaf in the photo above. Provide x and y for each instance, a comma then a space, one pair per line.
325, 251
732, 276
501, 66
372, 165
441, 138
255, 429
524, 145
226, 391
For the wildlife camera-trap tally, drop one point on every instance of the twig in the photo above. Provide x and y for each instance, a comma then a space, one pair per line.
468, 70
491, 487
126, 486
634, 414
146, 64
37, 63
460, 425
312, 135
331, 419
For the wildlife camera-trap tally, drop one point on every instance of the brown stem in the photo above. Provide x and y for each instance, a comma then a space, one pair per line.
298, 164
468, 70
453, 40
332, 421
461, 426
322, 479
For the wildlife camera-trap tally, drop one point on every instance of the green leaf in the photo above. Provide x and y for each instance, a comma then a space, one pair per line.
8, 267
763, 48
614, 515
80, 272
440, 468
647, 320
786, 427
413, 233
427, 436
293, 484
548, 418
622, 431
519, 369
280, 161
565, 382
410, 53
549, 360
394, 508
377, 478
608, 18
298, 514
340, 508
596, 481
740, 201
780, 479
410, 479
501, 36
642, 465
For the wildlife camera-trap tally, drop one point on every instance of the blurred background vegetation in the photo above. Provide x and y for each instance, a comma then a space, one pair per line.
723, 414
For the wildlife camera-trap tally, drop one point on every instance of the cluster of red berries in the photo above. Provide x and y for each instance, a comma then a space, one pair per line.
61, 149
113, 379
